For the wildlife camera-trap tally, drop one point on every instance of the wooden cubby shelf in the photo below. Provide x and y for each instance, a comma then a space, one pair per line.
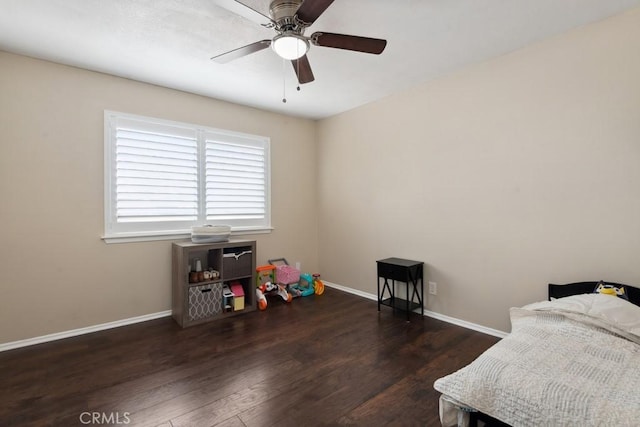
195, 302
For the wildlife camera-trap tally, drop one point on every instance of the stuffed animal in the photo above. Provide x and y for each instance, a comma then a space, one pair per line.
606, 289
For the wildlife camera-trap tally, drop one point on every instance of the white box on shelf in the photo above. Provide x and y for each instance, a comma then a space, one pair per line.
210, 233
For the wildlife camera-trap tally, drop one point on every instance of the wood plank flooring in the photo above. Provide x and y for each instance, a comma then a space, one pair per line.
322, 360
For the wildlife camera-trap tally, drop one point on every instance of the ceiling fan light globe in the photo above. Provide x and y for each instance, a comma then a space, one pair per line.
290, 46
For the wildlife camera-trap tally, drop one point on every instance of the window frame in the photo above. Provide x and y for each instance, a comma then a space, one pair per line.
115, 232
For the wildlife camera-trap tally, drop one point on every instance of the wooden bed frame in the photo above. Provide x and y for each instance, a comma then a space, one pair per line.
559, 291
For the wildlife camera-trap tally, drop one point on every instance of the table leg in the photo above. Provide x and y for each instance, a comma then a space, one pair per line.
408, 305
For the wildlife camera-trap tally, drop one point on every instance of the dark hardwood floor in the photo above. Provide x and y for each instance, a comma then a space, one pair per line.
324, 360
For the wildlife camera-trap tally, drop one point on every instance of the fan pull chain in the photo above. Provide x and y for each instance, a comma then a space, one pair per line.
284, 82
298, 66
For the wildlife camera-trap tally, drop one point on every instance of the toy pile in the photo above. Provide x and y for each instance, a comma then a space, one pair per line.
281, 280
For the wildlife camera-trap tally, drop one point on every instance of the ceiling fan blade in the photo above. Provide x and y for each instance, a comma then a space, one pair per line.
245, 11
344, 41
310, 10
303, 70
223, 58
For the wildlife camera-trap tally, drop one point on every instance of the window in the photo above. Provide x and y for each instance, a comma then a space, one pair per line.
163, 177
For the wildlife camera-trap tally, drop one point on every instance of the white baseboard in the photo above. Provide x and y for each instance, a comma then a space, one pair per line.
465, 324
130, 321
75, 332
432, 314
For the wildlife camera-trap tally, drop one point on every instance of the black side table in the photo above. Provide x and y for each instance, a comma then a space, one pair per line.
402, 270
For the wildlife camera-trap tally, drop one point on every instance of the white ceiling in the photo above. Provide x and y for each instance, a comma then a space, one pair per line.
169, 43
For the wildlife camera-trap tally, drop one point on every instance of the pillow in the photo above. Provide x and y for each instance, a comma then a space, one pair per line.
603, 288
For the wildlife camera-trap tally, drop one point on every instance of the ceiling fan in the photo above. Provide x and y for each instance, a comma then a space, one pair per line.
290, 19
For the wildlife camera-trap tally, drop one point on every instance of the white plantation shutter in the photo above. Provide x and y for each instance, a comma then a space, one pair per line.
235, 180
156, 174
163, 177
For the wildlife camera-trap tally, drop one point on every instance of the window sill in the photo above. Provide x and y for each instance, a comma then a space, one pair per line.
151, 237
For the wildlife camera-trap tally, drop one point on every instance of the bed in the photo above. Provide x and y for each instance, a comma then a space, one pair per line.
573, 360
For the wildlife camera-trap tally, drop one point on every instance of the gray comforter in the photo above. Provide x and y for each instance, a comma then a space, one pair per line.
569, 362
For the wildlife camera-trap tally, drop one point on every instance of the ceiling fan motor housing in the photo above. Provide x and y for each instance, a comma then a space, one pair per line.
283, 14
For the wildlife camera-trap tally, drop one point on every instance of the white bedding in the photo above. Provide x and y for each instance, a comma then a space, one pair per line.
568, 362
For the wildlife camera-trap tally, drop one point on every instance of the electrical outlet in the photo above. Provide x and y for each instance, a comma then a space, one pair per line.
433, 288
298, 265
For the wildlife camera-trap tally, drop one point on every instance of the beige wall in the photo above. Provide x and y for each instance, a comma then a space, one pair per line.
504, 177
56, 274
511, 174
